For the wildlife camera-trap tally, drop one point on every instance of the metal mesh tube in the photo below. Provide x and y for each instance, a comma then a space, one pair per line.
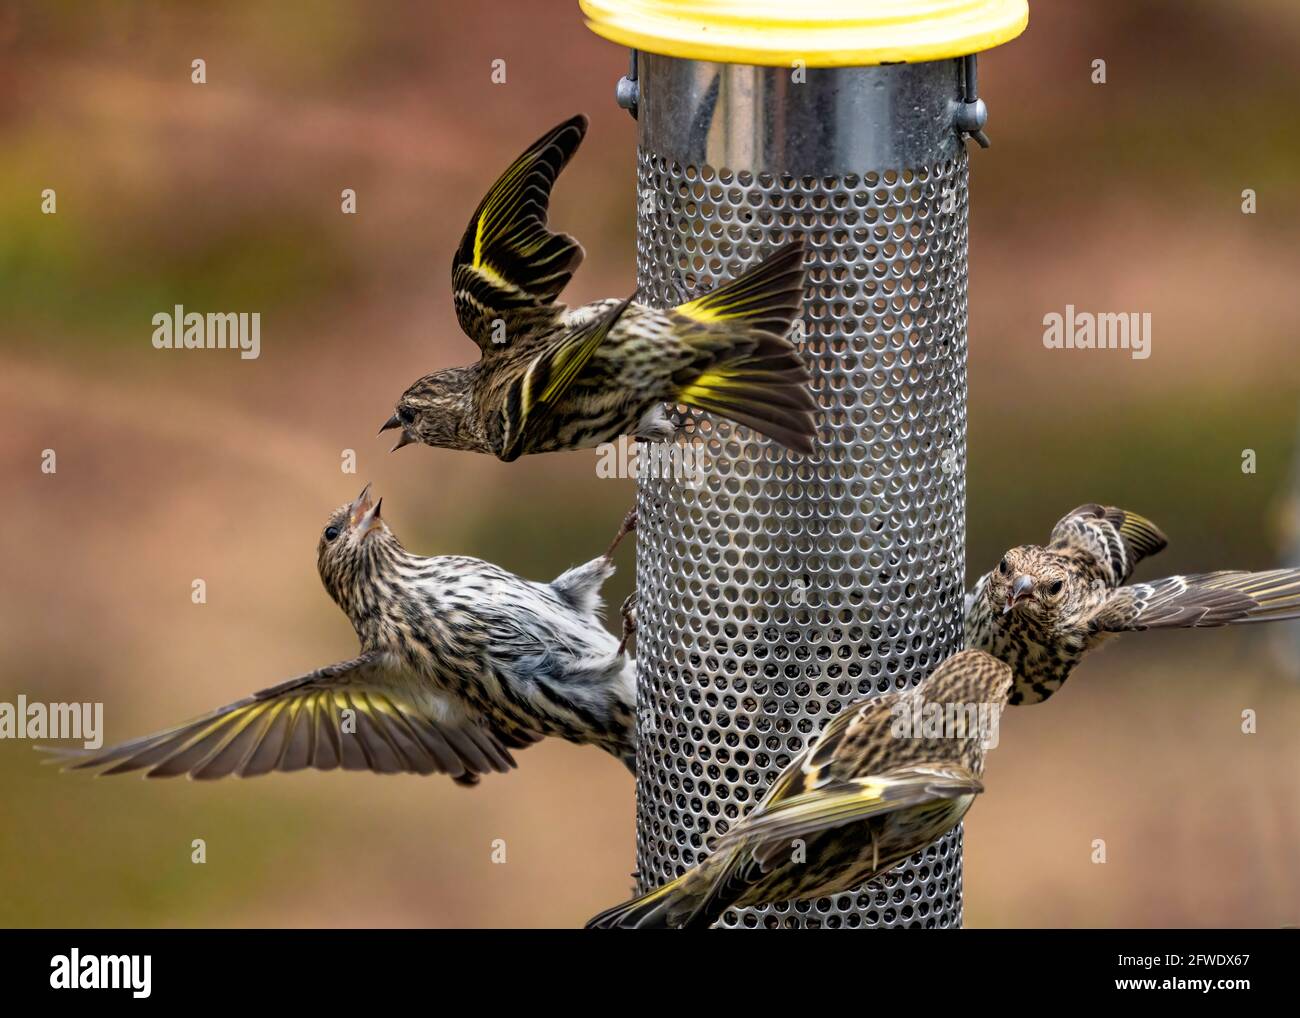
774, 590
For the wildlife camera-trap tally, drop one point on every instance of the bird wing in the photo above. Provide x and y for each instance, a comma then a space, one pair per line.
534, 394
1201, 600
300, 723
845, 802
818, 766
509, 264
761, 842
861, 737
1116, 538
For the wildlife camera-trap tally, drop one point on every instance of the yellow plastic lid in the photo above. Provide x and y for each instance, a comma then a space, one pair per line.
820, 33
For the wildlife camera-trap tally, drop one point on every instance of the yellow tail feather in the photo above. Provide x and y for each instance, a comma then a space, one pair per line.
768, 296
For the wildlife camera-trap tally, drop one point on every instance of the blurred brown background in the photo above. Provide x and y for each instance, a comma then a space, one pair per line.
1117, 197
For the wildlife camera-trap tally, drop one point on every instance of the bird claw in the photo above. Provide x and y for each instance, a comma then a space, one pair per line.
628, 613
626, 527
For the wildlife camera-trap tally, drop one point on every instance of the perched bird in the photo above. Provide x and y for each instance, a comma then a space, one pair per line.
551, 377
1044, 608
460, 662
876, 786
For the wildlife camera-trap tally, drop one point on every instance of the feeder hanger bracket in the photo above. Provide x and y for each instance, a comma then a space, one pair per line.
627, 93
972, 114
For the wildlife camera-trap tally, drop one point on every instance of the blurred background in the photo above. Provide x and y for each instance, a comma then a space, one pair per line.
225, 197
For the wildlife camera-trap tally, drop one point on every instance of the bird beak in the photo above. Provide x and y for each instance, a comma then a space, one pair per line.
1021, 589
406, 439
370, 521
396, 422
359, 506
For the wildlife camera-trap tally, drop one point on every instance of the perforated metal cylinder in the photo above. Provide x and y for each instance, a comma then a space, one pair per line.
774, 589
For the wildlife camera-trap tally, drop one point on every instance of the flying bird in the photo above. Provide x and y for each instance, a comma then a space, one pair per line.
460, 662
1043, 609
551, 377
874, 788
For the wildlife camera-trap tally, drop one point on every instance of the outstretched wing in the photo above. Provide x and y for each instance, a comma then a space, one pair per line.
302, 723
509, 265
546, 379
1116, 538
1202, 600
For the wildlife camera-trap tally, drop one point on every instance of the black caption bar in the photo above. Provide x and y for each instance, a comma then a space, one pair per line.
144, 968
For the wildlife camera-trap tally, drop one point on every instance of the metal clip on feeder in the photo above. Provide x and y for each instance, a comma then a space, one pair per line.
776, 589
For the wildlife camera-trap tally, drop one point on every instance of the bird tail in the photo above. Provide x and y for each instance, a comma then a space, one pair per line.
755, 375
579, 587
656, 910
694, 901
768, 296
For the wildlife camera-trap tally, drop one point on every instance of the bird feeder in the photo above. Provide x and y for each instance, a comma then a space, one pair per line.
775, 589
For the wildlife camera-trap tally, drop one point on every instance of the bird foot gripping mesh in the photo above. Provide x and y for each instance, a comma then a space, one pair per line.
776, 589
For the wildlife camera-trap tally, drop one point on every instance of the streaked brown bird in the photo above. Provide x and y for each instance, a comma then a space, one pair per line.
876, 786
1043, 609
551, 377
460, 662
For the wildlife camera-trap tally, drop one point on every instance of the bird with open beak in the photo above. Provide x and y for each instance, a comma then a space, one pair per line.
553, 377
1043, 609
460, 662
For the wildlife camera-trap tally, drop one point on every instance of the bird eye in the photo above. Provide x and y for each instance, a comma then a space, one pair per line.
406, 415
1004, 567
331, 533
1055, 587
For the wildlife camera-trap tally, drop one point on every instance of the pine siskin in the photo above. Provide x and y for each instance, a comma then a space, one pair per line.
551, 377
460, 662
861, 799
1043, 609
